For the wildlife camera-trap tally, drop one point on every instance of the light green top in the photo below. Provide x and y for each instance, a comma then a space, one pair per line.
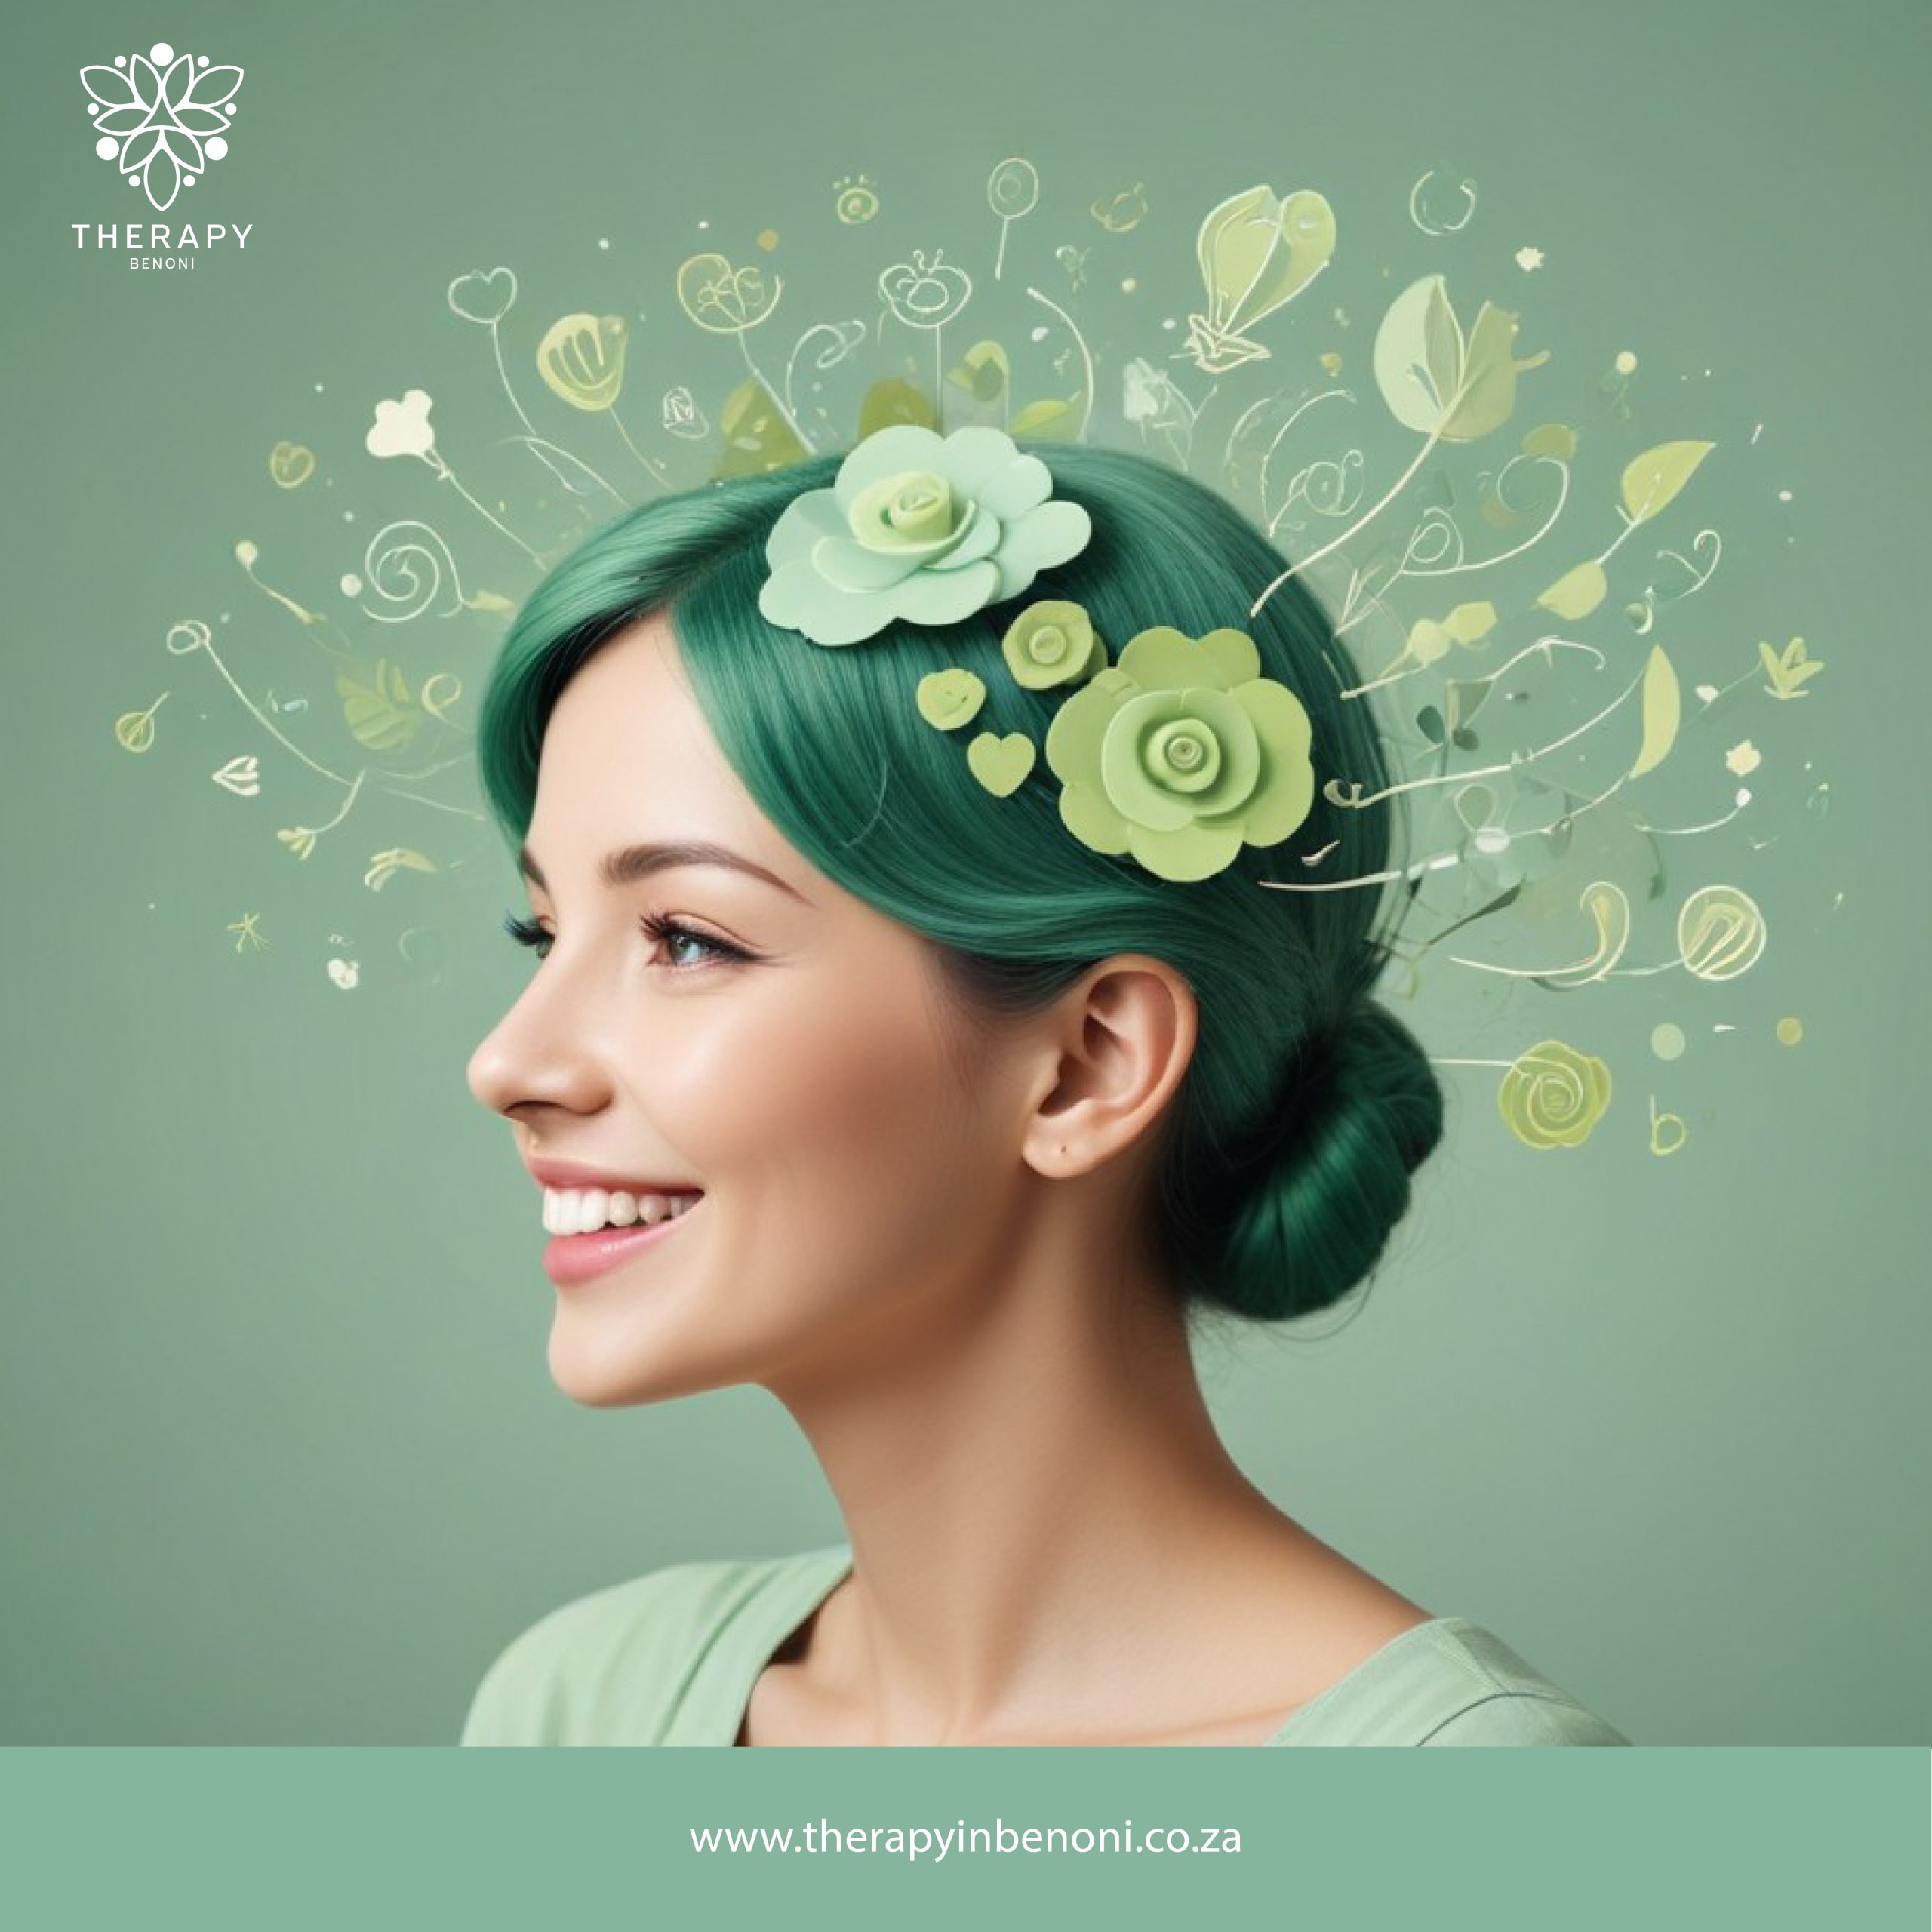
671, 1657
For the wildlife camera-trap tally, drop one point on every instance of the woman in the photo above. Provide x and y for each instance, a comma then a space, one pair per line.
914, 1009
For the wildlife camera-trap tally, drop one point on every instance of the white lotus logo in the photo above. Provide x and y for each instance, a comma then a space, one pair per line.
164, 118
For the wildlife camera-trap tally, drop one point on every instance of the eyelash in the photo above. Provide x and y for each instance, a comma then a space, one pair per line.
658, 926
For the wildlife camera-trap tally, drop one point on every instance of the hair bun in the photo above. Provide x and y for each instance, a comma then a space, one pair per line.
1306, 1209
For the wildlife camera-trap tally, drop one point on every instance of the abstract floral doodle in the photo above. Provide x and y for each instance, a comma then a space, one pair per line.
1595, 721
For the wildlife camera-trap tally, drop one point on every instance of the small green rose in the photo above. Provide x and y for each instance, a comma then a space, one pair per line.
1553, 1095
1052, 642
1182, 753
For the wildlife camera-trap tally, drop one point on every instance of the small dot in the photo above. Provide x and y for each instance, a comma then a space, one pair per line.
1790, 1030
228, 107
1625, 362
161, 53
107, 147
603, 242
202, 62
1784, 495
94, 107
120, 60
134, 180
188, 180
351, 584
216, 146
349, 516
318, 389
704, 224
1167, 322
1667, 1041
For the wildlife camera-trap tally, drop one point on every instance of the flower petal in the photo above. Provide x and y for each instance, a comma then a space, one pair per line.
943, 597
803, 522
1197, 851
1079, 728
1284, 793
847, 565
1041, 538
796, 596
1023, 483
1164, 658
1092, 820
1234, 653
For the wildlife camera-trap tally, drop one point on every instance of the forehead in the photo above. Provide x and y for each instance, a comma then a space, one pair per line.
627, 755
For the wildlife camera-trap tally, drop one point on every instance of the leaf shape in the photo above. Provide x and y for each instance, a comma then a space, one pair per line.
1577, 592
1048, 418
1652, 480
1418, 356
1469, 623
1661, 711
757, 437
893, 400
380, 713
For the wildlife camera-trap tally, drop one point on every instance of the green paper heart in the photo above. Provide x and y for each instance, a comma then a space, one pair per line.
1001, 764
951, 698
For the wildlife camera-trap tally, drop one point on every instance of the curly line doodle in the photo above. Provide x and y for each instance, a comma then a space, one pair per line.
1013, 189
1275, 441
402, 429
1121, 212
485, 299
1609, 906
1355, 801
679, 415
1086, 359
926, 295
1420, 350
1330, 479
845, 337
567, 469
191, 634
1468, 188
391, 559
1661, 1124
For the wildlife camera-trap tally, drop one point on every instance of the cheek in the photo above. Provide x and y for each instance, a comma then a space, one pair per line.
826, 1119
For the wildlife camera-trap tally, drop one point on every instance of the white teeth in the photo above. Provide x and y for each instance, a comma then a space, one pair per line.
581, 1210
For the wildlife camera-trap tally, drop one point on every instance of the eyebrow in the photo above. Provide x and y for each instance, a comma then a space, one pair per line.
629, 863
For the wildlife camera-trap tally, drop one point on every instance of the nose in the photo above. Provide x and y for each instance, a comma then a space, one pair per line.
534, 1056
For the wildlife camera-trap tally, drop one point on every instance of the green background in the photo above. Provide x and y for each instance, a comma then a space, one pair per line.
282, 1462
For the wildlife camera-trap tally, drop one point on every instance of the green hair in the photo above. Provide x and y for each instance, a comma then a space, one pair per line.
1284, 1159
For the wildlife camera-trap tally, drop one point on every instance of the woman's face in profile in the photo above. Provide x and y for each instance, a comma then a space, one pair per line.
785, 1050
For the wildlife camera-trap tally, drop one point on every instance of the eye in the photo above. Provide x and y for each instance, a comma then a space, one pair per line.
668, 932
528, 932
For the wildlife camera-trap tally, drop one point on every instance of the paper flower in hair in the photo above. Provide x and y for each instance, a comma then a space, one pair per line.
1181, 753
917, 526
1052, 642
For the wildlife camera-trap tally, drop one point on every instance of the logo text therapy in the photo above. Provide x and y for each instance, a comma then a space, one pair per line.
136, 234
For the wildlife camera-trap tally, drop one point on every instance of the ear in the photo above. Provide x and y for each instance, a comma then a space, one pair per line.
1119, 1040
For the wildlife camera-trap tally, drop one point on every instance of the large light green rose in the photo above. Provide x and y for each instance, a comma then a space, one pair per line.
1182, 753
927, 528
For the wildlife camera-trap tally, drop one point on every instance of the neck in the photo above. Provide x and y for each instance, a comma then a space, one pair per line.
1038, 1505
